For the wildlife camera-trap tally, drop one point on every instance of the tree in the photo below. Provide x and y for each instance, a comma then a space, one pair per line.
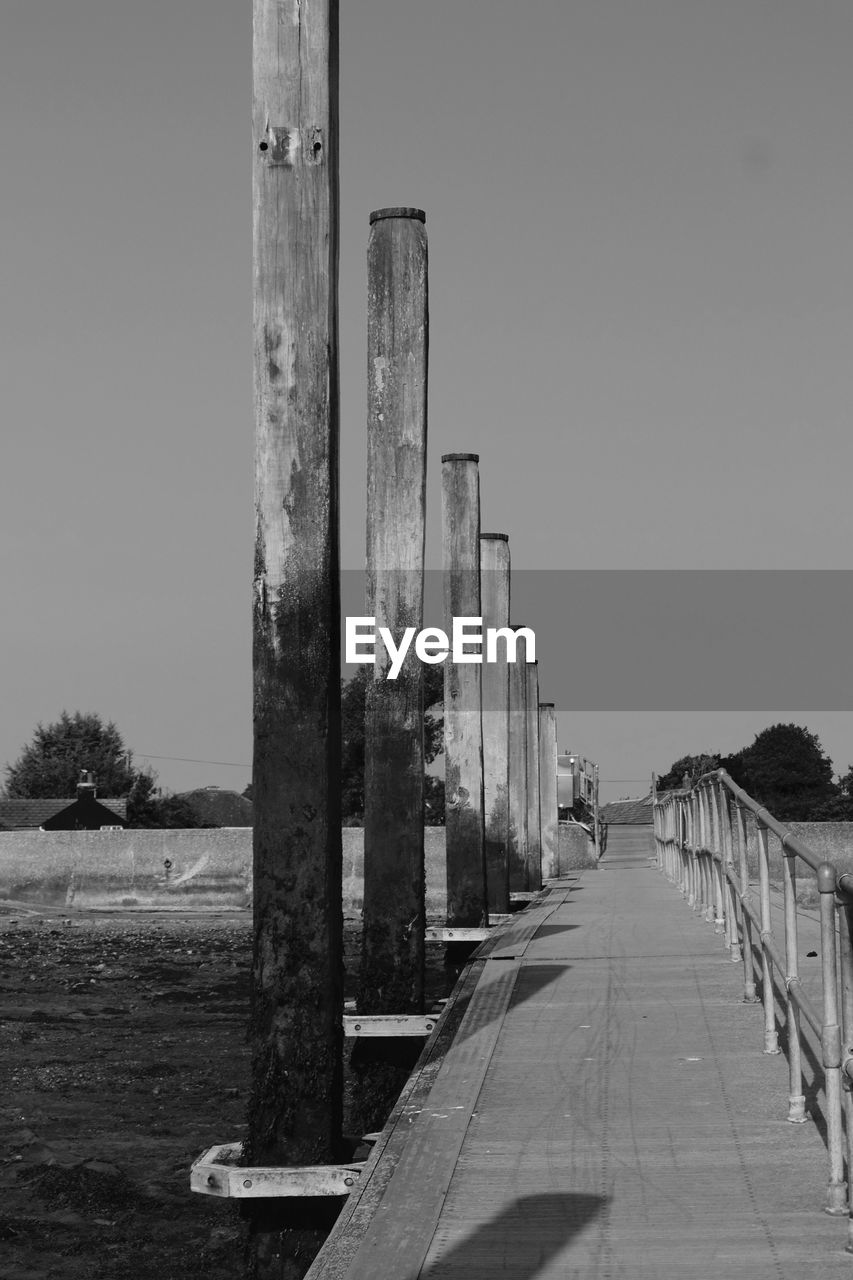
838, 808
786, 770
50, 766
353, 696
147, 808
693, 766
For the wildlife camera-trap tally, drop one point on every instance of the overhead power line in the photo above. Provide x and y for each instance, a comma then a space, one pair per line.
233, 764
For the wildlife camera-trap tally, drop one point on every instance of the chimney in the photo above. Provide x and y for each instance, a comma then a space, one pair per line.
86, 785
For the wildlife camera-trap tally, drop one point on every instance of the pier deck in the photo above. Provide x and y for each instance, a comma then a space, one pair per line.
596, 1104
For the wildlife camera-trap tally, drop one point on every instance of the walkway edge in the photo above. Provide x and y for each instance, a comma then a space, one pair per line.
337, 1256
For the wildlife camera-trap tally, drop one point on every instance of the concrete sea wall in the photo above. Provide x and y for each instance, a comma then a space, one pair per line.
192, 870
181, 870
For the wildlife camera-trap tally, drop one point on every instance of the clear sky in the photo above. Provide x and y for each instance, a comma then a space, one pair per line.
641, 292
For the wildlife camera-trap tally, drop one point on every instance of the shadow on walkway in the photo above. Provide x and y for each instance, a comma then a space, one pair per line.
519, 1242
526, 983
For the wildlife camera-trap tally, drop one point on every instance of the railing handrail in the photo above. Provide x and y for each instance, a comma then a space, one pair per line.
786, 836
702, 842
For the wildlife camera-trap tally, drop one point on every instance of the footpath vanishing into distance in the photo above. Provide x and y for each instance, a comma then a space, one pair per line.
595, 1103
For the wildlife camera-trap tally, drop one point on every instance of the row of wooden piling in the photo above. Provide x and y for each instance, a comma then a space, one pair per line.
499, 744
295, 1108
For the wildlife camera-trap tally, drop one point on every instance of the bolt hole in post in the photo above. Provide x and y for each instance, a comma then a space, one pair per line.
264, 146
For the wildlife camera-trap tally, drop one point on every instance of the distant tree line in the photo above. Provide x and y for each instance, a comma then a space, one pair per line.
49, 766
785, 769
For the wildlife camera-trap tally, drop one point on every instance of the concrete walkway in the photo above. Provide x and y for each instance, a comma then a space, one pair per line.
600, 1107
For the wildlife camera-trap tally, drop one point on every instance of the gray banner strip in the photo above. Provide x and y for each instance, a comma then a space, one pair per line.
635, 640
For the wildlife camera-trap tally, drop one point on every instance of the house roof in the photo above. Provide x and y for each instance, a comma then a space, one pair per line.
628, 812
30, 815
219, 807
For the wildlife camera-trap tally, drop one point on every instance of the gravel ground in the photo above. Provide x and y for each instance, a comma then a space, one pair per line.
122, 1056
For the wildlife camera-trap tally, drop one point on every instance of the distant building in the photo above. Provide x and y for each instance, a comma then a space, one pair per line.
218, 807
85, 813
628, 813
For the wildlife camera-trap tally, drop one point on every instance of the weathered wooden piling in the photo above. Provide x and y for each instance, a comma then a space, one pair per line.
294, 1112
548, 790
533, 854
463, 730
494, 593
392, 969
517, 850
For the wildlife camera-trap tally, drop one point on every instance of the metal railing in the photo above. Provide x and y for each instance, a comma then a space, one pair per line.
701, 840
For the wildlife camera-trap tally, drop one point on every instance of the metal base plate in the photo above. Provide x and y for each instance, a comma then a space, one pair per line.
389, 1024
216, 1173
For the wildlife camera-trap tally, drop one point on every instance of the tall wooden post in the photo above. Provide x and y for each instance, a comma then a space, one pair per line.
596, 827
294, 1114
548, 790
517, 851
392, 971
533, 856
463, 729
494, 591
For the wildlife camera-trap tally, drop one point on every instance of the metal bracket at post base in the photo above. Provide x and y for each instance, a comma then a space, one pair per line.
388, 1024
216, 1173
448, 933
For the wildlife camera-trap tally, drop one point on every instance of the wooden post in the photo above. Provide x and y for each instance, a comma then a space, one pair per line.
517, 851
463, 729
533, 856
494, 590
392, 970
548, 790
595, 819
294, 1112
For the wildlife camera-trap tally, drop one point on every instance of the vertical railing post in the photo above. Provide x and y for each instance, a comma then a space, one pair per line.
695, 888
657, 831
845, 941
732, 936
718, 858
771, 1037
495, 596
796, 1097
836, 1192
745, 898
686, 844
463, 719
693, 852
708, 857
